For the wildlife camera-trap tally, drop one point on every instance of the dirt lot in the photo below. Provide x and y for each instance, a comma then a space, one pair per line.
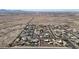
12, 25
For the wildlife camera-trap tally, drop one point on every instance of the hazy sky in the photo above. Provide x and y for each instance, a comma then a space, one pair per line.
39, 4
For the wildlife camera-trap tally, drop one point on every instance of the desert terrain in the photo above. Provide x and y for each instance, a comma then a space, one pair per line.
12, 24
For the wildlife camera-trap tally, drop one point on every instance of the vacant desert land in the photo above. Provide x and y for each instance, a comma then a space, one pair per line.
12, 24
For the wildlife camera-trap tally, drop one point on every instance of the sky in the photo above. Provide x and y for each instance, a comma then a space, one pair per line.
39, 4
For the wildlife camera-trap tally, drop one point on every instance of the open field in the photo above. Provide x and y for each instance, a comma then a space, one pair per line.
12, 24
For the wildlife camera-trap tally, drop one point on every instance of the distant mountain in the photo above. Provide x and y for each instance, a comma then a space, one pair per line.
36, 11
53, 10
2, 11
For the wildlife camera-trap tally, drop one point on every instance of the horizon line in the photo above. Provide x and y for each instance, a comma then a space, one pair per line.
43, 9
